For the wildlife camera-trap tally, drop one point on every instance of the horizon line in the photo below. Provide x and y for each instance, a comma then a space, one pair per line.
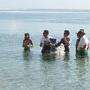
33, 9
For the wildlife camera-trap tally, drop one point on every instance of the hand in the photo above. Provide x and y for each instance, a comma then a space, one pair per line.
31, 46
41, 44
28, 46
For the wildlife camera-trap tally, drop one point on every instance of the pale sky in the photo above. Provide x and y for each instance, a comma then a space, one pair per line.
45, 4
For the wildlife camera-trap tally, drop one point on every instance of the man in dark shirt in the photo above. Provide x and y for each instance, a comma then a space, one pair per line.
65, 41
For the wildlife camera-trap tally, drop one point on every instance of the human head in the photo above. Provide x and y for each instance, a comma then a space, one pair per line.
27, 35
78, 35
66, 33
45, 33
81, 32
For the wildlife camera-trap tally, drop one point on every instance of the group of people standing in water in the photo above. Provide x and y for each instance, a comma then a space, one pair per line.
47, 42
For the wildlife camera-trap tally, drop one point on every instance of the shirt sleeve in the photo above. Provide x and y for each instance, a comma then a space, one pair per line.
42, 41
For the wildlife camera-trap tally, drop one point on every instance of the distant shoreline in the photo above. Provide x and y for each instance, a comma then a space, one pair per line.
49, 10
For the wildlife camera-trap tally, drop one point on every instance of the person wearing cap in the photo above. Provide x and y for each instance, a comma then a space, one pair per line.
83, 44
45, 42
65, 41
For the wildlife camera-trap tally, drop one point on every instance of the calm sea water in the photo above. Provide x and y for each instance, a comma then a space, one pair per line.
32, 71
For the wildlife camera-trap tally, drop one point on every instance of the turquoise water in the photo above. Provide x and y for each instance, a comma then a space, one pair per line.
32, 71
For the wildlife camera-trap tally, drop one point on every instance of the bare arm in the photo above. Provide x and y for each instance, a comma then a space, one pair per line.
31, 43
67, 41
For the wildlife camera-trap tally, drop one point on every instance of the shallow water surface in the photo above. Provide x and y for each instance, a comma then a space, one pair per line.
21, 70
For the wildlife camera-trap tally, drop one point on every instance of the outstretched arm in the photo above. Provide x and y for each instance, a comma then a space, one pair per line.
58, 44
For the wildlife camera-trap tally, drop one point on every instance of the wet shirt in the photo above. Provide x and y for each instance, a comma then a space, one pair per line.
83, 41
45, 44
45, 41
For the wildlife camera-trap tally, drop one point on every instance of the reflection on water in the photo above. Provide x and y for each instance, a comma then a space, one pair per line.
81, 71
82, 55
48, 71
67, 56
27, 55
48, 57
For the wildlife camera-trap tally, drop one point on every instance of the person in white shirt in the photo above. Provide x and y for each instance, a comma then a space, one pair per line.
83, 44
45, 42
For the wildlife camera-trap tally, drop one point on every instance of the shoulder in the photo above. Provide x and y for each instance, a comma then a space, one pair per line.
84, 38
50, 37
42, 38
30, 40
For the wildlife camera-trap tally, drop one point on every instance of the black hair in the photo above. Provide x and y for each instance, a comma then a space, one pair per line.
67, 31
27, 34
46, 31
